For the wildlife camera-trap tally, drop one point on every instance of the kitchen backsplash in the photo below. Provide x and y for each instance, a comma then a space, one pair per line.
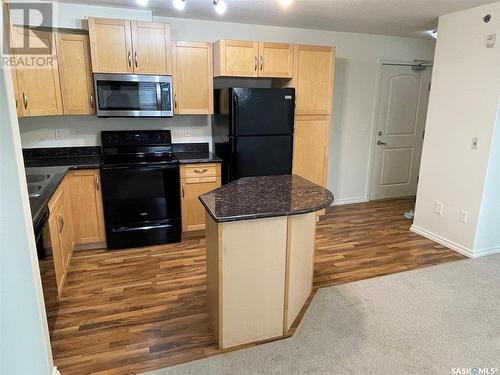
65, 131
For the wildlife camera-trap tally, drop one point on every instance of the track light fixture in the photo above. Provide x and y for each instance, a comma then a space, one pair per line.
179, 4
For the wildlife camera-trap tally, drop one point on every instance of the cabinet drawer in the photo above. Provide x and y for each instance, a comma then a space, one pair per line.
200, 170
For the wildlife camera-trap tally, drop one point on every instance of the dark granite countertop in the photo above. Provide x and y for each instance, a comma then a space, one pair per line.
268, 196
190, 153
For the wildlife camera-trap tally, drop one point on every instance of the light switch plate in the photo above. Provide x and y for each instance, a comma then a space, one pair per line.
438, 208
475, 143
464, 216
491, 40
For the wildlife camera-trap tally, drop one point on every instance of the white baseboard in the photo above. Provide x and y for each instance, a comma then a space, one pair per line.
443, 241
341, 202
487, 251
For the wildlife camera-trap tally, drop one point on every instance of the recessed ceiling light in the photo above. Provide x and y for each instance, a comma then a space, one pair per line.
179, 4
219, 6
286, 3
142, 2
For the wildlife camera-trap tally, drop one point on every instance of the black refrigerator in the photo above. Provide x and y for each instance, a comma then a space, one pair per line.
252, 131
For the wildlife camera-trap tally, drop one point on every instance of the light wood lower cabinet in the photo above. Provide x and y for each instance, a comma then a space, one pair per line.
310, 148
86, 206
62, 240
196, 179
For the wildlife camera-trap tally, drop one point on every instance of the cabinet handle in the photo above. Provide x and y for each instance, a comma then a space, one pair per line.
135, 58
175, 101
256, 63
129, 59
183, 192
25, 101
91, 101
200, 170
61, 223
97, 184
261, 63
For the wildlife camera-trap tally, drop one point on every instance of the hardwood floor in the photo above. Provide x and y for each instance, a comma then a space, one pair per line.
134, 310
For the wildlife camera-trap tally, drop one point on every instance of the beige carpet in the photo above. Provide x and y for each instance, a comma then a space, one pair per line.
435, 320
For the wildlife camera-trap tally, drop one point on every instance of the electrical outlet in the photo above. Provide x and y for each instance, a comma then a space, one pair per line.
475, 143
491, 40
187, 132
464, 216
58, 133
438, 208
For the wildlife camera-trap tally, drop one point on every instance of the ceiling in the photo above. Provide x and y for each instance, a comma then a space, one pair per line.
386, 17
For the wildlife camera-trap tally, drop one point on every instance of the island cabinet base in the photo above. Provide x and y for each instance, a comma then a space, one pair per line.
259, 275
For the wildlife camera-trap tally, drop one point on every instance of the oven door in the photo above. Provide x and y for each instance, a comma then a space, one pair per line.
124, 95
141, 205
133, 194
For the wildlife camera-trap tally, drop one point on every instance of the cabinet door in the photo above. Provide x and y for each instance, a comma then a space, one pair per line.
54, 225
39, 87
86, 206
110, 45
193, 79
75, 74
275, 60
235, 58
66, 233
310, 149
193, 212
313, 79
17, 94
151, 44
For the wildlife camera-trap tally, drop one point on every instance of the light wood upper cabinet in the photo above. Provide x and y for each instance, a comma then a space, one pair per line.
86, 206
310, 148
313, 79
152, 50
236, 58
39, 87
275, 60
193, 79
121, 46
75, 74
197, 179
110, 45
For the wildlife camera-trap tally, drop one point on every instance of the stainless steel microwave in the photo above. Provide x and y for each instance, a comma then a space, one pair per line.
132, 95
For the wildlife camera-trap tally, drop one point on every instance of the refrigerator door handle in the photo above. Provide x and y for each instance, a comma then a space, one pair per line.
234, 123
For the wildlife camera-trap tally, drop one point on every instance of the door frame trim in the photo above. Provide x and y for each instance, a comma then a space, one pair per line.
375, 111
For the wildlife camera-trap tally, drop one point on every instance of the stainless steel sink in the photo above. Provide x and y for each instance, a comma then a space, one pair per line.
37, 177
35, 190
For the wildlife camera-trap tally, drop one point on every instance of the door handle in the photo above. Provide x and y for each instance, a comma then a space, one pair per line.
183, 194
199, 171
380, 143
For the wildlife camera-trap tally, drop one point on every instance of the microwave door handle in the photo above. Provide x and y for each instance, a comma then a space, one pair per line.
158, 97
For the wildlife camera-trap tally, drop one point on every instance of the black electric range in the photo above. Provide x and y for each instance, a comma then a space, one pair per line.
140, 189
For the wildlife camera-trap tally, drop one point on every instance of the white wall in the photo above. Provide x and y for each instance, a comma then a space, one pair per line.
355, 89
463, 104
24, 336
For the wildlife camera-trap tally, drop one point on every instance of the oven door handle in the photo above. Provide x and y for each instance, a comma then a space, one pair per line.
145, 227
137, 168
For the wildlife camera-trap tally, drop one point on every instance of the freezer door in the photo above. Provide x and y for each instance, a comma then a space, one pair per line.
260, 156
262, 111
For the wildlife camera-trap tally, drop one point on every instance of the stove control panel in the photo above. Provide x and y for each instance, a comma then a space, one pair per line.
136, 138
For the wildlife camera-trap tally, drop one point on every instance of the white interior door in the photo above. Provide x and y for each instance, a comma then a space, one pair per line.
404, 96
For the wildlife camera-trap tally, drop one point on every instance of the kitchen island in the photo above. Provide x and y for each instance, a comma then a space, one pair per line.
260, 249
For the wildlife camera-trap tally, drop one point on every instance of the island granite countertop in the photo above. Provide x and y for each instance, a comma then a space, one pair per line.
267, 196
